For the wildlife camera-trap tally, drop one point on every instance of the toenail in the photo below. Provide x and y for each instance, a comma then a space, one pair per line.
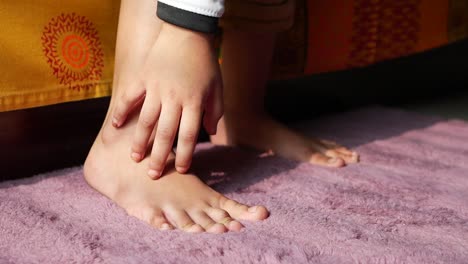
136, 156
165, 226
332, 160
253, 209
154, 173
187, 226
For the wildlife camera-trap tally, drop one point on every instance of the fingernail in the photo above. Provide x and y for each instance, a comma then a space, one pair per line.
115, 122
253, 209
332, 160
154, 173
181, 169
136, 156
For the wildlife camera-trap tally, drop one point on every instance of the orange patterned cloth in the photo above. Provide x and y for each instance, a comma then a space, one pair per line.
258, 15
53, 53
330, 35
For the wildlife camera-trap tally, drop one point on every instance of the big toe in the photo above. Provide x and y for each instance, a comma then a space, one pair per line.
240, 211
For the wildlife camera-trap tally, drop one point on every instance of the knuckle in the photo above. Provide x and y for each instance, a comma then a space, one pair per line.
126, 99
164, 133
197, 98
172, 95
195, 106
147, 122
189, 137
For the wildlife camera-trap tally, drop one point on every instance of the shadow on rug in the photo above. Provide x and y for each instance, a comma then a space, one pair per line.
406, 202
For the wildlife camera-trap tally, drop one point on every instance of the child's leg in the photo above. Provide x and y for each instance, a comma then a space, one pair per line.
245, 69
176, 200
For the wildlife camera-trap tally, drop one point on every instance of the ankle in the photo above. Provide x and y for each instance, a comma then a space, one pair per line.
236, 126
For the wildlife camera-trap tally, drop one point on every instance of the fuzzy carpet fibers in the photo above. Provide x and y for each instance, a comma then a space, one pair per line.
406, 202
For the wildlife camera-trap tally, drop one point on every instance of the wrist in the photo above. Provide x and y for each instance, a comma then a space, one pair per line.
184, 33
187, 19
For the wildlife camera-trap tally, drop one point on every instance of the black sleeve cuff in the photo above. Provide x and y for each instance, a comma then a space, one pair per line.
187, 19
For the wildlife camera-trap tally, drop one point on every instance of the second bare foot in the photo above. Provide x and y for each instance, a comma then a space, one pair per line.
260, 131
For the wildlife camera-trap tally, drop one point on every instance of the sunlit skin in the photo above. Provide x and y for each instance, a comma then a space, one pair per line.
245, 69
176, 200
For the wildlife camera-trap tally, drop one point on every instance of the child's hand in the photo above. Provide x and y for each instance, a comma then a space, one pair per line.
180, 81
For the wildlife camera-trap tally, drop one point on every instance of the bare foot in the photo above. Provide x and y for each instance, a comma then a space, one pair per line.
247, 59
174, 201
261, 132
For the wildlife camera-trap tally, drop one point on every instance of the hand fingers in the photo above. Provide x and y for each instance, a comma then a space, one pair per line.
165, 133
126, 103
188, 135
146, 125
214, 110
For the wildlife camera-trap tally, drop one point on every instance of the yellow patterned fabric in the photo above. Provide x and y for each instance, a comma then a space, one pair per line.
55, 51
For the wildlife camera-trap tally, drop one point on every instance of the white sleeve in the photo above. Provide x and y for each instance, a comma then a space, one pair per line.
212, 8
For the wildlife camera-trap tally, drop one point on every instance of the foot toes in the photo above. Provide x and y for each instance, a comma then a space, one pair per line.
240, 211
347, 157
155, 218
344, 150
321, 159
184, 222
335, 150
208, 224
166, 226
193, 228
352, 157
222, 217
234, 226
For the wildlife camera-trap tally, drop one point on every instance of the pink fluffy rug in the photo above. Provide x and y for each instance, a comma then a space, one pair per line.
406, 202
